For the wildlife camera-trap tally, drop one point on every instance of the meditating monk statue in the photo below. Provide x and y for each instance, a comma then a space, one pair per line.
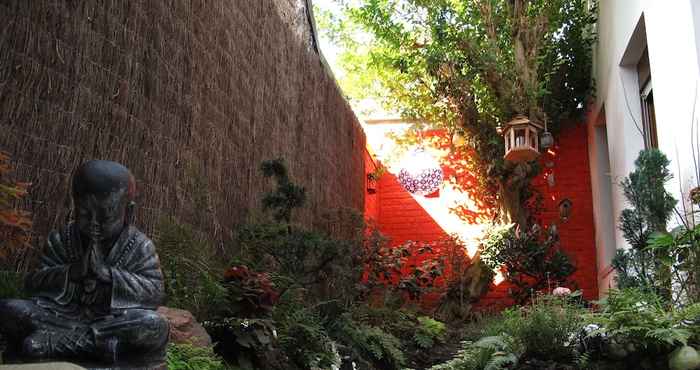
98, 283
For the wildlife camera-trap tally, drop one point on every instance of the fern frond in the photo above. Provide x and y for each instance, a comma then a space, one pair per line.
495, 343
671, 336
501, 361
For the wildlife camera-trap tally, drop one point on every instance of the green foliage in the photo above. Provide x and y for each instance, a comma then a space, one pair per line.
287, 196
682, 246
381, 348
300, 258
640, 317
189, 357
531, 260
645, 191
429, 332
448, 49
189, 268
635, 269
542, 330
292, 294
11, 285
488, 353
651, 208
304, 338
243, 330
244, 342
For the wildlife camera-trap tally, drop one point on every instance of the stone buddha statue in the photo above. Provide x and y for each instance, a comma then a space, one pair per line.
98, 283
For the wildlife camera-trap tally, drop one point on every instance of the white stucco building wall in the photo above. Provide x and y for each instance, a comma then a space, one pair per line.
670, 30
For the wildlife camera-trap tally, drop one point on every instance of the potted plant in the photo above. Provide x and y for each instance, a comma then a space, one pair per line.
373, 177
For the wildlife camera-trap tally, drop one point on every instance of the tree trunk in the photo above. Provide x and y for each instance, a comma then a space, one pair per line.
513, 191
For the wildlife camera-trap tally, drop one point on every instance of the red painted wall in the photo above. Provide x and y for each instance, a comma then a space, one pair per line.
572, 180
401, 218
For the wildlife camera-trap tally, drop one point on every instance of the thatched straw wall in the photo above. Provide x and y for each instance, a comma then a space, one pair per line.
190, 94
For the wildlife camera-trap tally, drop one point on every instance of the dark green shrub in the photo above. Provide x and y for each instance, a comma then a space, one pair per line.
544, 330
245, 342
651, 208
531, 260
640, 318
303, 334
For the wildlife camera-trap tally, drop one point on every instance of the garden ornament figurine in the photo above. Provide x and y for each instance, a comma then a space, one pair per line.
98, 283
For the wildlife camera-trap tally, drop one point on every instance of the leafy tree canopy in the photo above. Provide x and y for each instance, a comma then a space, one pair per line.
467, 65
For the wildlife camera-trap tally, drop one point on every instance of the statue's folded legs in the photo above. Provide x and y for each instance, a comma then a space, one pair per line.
42, 333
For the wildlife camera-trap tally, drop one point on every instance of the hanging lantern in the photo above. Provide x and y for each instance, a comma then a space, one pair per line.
521, 139
458, 139
546, 140
420, 173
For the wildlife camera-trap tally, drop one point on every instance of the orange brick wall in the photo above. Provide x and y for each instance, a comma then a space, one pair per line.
401, 218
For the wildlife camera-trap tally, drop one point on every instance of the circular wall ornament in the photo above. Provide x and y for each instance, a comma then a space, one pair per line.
420, 173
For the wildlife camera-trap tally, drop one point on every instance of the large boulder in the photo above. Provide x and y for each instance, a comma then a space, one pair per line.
184, 328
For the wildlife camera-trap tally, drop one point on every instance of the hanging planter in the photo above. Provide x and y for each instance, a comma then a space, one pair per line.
371, 184
695, 195
373, 178
420, 173
521, 139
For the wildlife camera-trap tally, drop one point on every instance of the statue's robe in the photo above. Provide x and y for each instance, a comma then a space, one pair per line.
137, 281
123, 308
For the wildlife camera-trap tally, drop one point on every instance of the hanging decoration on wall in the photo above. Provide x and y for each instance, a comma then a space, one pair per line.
420, 173
546, 140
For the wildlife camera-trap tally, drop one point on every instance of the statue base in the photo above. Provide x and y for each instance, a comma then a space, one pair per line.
81, 366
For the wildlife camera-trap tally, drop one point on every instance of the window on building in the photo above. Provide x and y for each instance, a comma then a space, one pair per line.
646, 93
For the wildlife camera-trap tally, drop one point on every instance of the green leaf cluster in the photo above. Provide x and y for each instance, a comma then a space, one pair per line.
288, 195
531, 260
429, 332
543, 330
189, 357
641, 318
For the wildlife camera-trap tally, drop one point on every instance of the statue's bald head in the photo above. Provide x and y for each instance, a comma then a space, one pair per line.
102, 193
102, 178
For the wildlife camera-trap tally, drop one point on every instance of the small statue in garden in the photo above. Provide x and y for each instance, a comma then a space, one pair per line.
98, 284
